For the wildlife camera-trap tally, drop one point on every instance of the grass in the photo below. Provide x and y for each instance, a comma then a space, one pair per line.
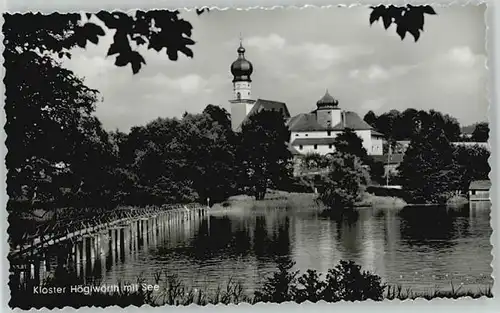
457, 201
371, 200
174, 292
397, 292
274, 199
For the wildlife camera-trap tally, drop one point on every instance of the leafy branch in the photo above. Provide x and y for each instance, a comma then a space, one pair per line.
409, 19
58, 33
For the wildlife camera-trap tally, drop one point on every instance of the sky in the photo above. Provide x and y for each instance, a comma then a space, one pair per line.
297, 54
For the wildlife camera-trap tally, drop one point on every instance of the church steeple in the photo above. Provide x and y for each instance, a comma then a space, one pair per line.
241, 68
242, 102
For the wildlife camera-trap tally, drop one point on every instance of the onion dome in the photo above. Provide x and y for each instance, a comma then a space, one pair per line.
241, 68
327, 102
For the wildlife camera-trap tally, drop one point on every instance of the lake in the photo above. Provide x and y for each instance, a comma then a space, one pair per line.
417, 247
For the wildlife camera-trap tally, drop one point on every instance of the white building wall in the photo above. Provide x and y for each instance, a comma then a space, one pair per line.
366, 136
320, 149
243, 89
314, 134
239, 110
377, 146
373, 145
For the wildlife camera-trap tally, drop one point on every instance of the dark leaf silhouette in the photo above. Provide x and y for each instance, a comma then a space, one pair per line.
409, 19
137, 60
202, 10
59, 33
122, 60
429, 10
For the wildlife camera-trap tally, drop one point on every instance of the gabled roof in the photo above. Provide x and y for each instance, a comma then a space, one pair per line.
480, 185
313, 141
269, 105
308, 122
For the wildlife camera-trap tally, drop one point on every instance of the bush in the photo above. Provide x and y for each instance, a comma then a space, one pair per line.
344, 282
343, 185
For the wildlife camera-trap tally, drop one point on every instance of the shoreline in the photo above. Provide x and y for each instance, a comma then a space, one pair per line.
302, 201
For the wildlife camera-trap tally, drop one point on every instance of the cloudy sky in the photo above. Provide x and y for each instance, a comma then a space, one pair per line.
297, 54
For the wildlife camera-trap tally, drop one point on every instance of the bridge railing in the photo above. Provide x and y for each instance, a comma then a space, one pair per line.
70, 220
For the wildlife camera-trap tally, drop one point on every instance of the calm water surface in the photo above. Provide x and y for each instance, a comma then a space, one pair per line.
416, 247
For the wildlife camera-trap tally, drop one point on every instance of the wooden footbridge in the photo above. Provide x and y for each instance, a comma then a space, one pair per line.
75, 225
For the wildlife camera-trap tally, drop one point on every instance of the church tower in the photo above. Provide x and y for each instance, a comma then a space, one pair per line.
242, 103
328, 113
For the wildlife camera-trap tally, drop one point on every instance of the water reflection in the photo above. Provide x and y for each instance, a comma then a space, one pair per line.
418, 247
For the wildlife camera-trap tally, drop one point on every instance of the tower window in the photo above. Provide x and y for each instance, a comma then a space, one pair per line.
315, 147
238, 95
296, 135
307, 135
300, 147
329, 146
329, 132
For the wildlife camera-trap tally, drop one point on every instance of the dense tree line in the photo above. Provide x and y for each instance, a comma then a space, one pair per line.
433, 169
169, 160
396, 125
58, 152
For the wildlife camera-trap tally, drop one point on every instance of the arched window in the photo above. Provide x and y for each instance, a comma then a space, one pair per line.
238, 95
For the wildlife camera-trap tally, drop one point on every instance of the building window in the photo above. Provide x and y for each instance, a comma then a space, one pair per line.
329, 133
330, 146
300, 147
238, 95
307, 135
473, 192
315, 147
296, 135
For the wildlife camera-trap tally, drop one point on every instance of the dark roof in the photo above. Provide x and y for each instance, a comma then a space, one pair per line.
313, 141
395, 158
327, 102
480, 185
269, 105
308, 122
292, 120
376, 133
305, 122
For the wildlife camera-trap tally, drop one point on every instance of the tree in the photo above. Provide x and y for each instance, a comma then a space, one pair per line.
472, 164
409, 19
214, 160
47, 109
281, 286
312, 161
349, 142
427, 172
58, 33
343, 185
385, 124
371, 118
481, 132
263, 154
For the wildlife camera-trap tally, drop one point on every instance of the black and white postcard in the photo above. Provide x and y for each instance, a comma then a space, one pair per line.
196, 156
